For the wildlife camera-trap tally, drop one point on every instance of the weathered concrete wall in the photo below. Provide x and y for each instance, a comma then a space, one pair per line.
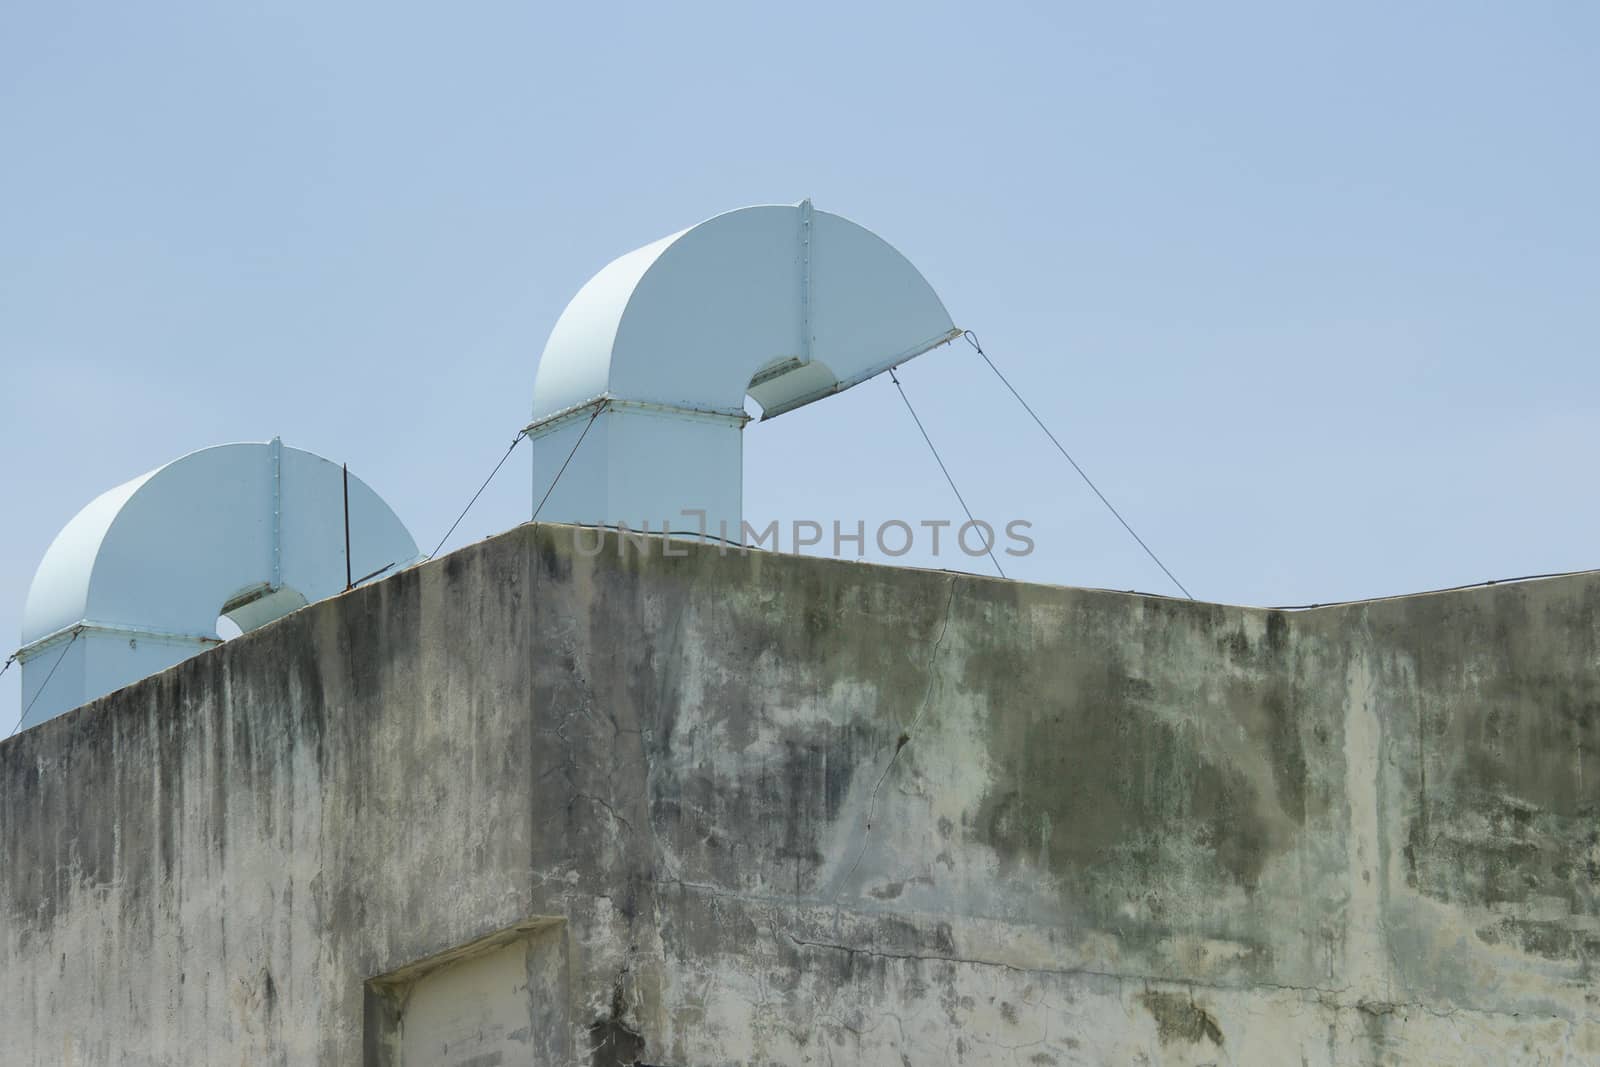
796, 811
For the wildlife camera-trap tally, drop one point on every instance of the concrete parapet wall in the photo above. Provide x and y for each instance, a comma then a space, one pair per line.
789, 810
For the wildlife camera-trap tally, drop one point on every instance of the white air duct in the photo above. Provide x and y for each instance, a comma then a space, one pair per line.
782, 303
137, 581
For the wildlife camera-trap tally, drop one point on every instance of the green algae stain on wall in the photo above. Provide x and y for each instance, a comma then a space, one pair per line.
1146, 778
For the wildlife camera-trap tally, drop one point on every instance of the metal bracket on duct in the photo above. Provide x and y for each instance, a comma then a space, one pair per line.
785, 304
137, 581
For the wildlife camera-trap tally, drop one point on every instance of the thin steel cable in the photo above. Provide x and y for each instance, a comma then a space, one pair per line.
598, 409
972, 339
1429, 592
515, 441
990, 546
42, 685
368, 577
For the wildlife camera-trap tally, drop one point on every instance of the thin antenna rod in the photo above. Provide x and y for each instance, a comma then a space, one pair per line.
348, 584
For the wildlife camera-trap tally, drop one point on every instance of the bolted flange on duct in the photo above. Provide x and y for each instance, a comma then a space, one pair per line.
650, 363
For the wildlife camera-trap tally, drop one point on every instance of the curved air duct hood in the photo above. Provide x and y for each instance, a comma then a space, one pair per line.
137, 581
648, 369
785, 304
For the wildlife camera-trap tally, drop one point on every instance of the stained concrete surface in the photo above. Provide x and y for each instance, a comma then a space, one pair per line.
788, 810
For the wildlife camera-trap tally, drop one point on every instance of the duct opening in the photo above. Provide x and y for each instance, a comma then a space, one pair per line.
256, 606
785, 384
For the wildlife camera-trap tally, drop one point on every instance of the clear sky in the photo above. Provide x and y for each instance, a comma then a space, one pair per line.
1313, 290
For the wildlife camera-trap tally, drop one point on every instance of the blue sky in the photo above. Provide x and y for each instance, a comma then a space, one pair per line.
1310, 289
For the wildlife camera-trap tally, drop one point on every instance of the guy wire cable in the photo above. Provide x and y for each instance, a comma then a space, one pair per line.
990, 546
972, 339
